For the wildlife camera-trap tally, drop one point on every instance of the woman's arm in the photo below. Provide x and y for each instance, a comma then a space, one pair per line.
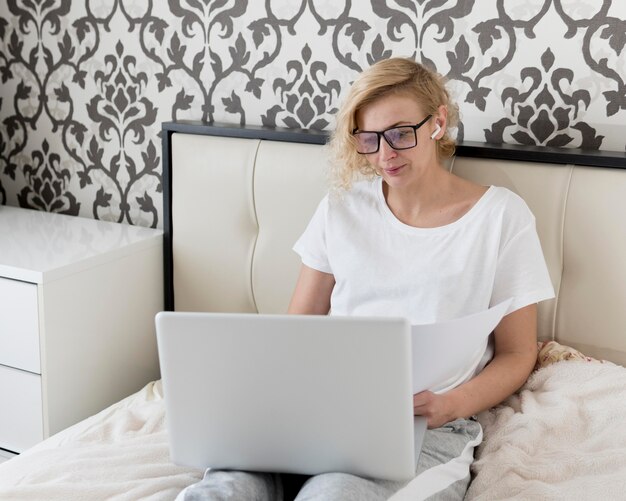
311, 295
513, 361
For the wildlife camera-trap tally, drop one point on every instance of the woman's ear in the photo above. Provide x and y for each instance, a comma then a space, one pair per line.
441, 119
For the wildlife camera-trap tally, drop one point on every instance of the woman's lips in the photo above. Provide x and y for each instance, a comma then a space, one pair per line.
393, 171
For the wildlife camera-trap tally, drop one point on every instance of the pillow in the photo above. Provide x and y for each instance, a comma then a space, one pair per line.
551, 352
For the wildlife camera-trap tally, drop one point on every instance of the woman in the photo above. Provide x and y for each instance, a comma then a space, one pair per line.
402, 236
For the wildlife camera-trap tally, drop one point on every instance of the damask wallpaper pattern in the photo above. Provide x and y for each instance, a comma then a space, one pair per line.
86, 85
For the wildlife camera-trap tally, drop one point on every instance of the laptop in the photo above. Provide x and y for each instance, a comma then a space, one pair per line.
289, 393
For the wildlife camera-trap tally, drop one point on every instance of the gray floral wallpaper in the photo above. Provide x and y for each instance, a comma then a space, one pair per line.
86, 85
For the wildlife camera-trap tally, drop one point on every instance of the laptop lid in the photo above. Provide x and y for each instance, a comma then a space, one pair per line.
288, 393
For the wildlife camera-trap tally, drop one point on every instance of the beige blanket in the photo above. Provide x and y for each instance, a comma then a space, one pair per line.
120, 454
562, 437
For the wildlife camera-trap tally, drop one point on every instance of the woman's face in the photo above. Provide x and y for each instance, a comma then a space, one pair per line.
405, 166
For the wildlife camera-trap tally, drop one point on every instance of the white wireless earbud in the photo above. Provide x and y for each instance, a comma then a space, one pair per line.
437, 131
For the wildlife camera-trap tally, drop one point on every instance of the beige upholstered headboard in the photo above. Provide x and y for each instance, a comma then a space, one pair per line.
235, 206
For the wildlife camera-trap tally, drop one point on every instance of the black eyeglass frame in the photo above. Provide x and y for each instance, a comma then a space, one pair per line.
382, 134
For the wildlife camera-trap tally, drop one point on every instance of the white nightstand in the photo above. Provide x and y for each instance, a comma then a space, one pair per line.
77, 303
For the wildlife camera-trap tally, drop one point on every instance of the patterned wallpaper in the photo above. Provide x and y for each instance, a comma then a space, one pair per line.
86, 85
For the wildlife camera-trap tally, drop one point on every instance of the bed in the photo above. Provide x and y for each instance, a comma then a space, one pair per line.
235, 200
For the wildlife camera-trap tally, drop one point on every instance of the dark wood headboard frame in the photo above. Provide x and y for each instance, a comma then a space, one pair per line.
591, 158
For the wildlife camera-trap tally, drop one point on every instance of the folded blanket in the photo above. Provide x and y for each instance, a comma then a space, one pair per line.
563, 436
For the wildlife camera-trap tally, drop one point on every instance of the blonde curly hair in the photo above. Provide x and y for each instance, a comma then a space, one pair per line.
390, 76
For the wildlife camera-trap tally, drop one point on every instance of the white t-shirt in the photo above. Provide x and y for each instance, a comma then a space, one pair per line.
383, 267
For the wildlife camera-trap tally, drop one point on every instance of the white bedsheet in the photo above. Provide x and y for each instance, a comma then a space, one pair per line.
562, 437
120, 454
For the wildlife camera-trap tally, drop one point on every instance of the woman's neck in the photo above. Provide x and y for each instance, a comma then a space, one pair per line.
422, 197
438, 199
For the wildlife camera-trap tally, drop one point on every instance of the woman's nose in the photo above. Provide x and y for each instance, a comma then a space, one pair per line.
385, 150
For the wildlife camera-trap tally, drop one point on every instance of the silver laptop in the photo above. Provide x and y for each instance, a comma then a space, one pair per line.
289, 393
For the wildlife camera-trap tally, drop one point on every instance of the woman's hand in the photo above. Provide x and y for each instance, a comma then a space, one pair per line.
438, 409
515, 357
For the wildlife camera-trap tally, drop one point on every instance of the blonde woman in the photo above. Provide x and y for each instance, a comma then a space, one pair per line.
400, 235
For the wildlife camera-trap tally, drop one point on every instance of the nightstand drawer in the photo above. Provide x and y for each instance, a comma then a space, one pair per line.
19, 325
21, 419
78, 298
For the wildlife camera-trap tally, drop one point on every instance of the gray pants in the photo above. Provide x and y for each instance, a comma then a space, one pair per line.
442, 474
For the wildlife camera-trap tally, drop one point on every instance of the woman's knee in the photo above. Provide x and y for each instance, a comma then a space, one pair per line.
343, 486
223, 485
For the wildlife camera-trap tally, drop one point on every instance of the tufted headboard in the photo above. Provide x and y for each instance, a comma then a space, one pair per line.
236, 199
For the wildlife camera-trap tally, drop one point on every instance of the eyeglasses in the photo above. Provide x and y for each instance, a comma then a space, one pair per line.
403, 137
